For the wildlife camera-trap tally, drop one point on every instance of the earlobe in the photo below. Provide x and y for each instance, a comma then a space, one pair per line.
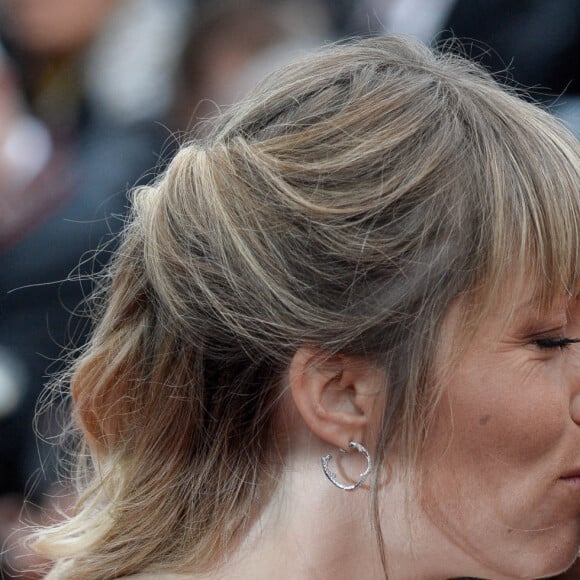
336, 396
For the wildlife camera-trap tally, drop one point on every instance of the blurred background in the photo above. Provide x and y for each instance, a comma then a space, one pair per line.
95, 95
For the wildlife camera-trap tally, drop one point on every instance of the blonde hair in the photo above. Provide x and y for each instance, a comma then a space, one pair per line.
346, 204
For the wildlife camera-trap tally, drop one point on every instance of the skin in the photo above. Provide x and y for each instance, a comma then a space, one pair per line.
493, 503
508, 429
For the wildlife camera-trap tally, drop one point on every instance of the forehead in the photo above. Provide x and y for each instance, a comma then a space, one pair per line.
516, 307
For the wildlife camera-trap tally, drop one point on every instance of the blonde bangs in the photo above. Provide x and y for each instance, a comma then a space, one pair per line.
531, 235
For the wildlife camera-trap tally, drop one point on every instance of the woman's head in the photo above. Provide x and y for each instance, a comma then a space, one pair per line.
344, 209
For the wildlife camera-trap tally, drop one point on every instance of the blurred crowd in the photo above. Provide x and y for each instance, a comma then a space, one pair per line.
94, 98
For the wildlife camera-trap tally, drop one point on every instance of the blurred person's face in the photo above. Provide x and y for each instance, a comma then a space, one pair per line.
502, 479
54, 27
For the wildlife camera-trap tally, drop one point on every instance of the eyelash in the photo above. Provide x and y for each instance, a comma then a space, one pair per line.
549, 343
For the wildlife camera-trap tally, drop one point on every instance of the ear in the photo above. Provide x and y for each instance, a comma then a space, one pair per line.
339, 398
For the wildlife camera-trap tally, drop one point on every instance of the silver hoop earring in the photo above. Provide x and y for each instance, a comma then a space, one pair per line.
332, 476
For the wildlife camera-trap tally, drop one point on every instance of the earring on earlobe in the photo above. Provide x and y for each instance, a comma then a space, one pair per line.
333, 477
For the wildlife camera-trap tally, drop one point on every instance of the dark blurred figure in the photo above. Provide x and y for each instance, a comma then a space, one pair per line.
534, 44
65, 95
39, 245
538, 41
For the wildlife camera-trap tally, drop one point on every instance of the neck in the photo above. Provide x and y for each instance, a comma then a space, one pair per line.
312, 530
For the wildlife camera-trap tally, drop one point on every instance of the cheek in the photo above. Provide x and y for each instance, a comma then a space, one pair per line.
495, 444
489, 462
491, 459
505, 416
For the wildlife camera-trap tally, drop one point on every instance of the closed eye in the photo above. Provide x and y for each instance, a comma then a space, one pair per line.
553, 342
